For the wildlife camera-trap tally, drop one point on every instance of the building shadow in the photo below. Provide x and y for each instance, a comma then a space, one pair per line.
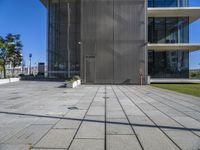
103, 122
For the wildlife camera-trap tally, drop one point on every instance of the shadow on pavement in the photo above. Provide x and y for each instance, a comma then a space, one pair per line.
98, 121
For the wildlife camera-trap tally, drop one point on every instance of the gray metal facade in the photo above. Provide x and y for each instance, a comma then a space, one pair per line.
107, 40
113, 37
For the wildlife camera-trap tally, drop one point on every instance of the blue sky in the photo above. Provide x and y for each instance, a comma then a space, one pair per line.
195, 38
29, 18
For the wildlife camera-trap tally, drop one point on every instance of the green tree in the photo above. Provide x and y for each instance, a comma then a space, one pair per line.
1, 66
10, 51
14, 49
3, 54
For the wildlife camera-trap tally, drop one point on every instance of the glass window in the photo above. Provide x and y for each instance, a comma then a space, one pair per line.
150, 29
171, 30
183, 27
183, 3
171, 3
159, 3
168, 30
150, 3
169, 64
168, 3
159, 30
60, 40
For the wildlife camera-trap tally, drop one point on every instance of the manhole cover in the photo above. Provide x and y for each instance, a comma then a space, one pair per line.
73, 108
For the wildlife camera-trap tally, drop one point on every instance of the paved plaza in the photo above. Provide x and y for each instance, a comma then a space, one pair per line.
47, 116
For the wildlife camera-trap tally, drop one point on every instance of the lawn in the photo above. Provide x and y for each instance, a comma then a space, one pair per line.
191, 89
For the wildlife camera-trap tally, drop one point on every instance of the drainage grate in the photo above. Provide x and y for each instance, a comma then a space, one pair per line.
73, 108
105, 97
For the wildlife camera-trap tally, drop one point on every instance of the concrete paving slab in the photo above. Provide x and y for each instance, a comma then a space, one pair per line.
122, 142
118, 127
91, 130
96, 110
140, 120
41, 121
185, 140
153, 138
87, 144
97, 119
115, 114
29, 135
67, 124
56, 139
14, 147
149, 110
76, 114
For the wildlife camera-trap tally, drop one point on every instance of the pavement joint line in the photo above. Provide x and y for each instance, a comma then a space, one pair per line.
151, 119
41, 148
105, 115
64, 128
159, 95
120, 134
127, 119
74, 137
177, 109
167, 115
89, 138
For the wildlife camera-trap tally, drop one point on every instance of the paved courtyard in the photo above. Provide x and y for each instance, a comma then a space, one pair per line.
46, 116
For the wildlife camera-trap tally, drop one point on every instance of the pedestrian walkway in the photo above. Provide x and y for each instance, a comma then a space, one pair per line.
46, 116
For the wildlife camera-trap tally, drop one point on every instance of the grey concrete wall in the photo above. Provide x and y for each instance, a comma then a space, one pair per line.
114, 33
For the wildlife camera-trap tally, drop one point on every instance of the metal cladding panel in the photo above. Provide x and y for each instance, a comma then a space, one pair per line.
104, 42
88, 33
129, 41
97, 37
113, 31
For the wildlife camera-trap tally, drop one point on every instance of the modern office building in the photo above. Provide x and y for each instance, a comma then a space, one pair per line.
119, 41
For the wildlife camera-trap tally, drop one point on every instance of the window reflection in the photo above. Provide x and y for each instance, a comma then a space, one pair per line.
168, 64
168, 3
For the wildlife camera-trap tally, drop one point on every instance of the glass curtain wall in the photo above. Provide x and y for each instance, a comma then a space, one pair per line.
64, 37
168, 3
168, 64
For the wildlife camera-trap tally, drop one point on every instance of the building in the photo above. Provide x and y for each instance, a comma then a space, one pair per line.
10, 71
119, 41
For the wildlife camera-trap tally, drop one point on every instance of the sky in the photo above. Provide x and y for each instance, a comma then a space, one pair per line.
29, 19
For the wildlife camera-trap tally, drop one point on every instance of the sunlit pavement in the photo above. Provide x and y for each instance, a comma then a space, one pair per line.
44, 115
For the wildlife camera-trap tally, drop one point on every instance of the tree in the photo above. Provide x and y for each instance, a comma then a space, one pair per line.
14, 49
1, 66
3, 55
10, 51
